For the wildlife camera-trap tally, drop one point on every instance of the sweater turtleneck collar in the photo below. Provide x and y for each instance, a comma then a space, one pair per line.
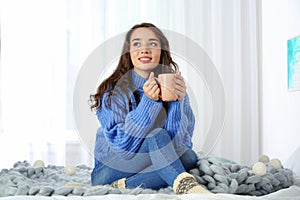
138, 81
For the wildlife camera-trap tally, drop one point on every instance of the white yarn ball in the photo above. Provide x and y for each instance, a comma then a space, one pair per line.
70, 170
276, 163
38, 163
259, 168
264, 159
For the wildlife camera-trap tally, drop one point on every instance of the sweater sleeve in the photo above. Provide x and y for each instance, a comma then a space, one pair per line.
180, 122
126, 130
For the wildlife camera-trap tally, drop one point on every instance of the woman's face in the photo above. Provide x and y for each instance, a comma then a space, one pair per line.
145, 50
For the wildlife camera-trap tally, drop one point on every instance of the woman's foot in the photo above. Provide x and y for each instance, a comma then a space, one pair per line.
119, 183
186, 183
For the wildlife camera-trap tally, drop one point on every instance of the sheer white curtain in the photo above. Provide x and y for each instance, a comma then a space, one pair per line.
45, 43
33, 77
229, 31
1, 120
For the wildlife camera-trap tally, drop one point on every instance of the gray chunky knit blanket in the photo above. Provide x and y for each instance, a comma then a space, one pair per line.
215, 175
227, 177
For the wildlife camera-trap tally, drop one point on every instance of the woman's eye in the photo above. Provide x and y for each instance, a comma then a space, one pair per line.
136, 44
153, 44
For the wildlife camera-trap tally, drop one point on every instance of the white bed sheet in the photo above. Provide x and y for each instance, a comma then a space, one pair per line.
291, 193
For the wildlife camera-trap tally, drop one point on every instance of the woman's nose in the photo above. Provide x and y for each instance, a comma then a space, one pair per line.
145, 50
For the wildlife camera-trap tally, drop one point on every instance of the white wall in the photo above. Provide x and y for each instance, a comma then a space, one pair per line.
280, 108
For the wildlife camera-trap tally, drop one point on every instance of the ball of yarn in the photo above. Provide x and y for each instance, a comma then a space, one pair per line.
264, 159
276, 163
70, 170
259, 168
38, 163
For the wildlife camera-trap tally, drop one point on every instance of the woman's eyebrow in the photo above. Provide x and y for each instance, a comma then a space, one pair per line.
136, 39
153, 39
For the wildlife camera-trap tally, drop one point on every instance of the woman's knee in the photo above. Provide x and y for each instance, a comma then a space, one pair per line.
160, 137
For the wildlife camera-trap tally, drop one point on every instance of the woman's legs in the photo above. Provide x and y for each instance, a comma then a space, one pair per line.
156, 165
164, 159
143, 179
188, 158
153, 180
103, 174
165, 164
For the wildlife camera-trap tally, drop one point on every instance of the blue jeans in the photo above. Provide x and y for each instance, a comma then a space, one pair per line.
156, 165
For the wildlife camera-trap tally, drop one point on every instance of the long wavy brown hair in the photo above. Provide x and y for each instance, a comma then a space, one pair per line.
120, 79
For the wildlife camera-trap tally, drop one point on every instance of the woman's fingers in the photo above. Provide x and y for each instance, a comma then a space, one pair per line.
154, 92
151, 88
180, 87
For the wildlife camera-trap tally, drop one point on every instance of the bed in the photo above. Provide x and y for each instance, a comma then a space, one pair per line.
24, 181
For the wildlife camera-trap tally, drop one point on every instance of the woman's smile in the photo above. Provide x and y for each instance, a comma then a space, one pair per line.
145, 59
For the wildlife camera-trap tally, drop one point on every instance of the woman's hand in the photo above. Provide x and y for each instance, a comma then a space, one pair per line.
151, 88
180, 88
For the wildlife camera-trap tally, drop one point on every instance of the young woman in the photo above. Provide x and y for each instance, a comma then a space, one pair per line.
142, 140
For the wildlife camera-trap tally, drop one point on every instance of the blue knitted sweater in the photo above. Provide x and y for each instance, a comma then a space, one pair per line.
123, 129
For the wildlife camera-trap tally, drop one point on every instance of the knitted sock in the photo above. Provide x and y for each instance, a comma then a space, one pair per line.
186, 183
119, 183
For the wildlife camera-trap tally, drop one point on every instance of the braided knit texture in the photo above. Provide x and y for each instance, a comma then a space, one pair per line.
227, 177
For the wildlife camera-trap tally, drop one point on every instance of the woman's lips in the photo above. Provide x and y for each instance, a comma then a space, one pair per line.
145, 60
